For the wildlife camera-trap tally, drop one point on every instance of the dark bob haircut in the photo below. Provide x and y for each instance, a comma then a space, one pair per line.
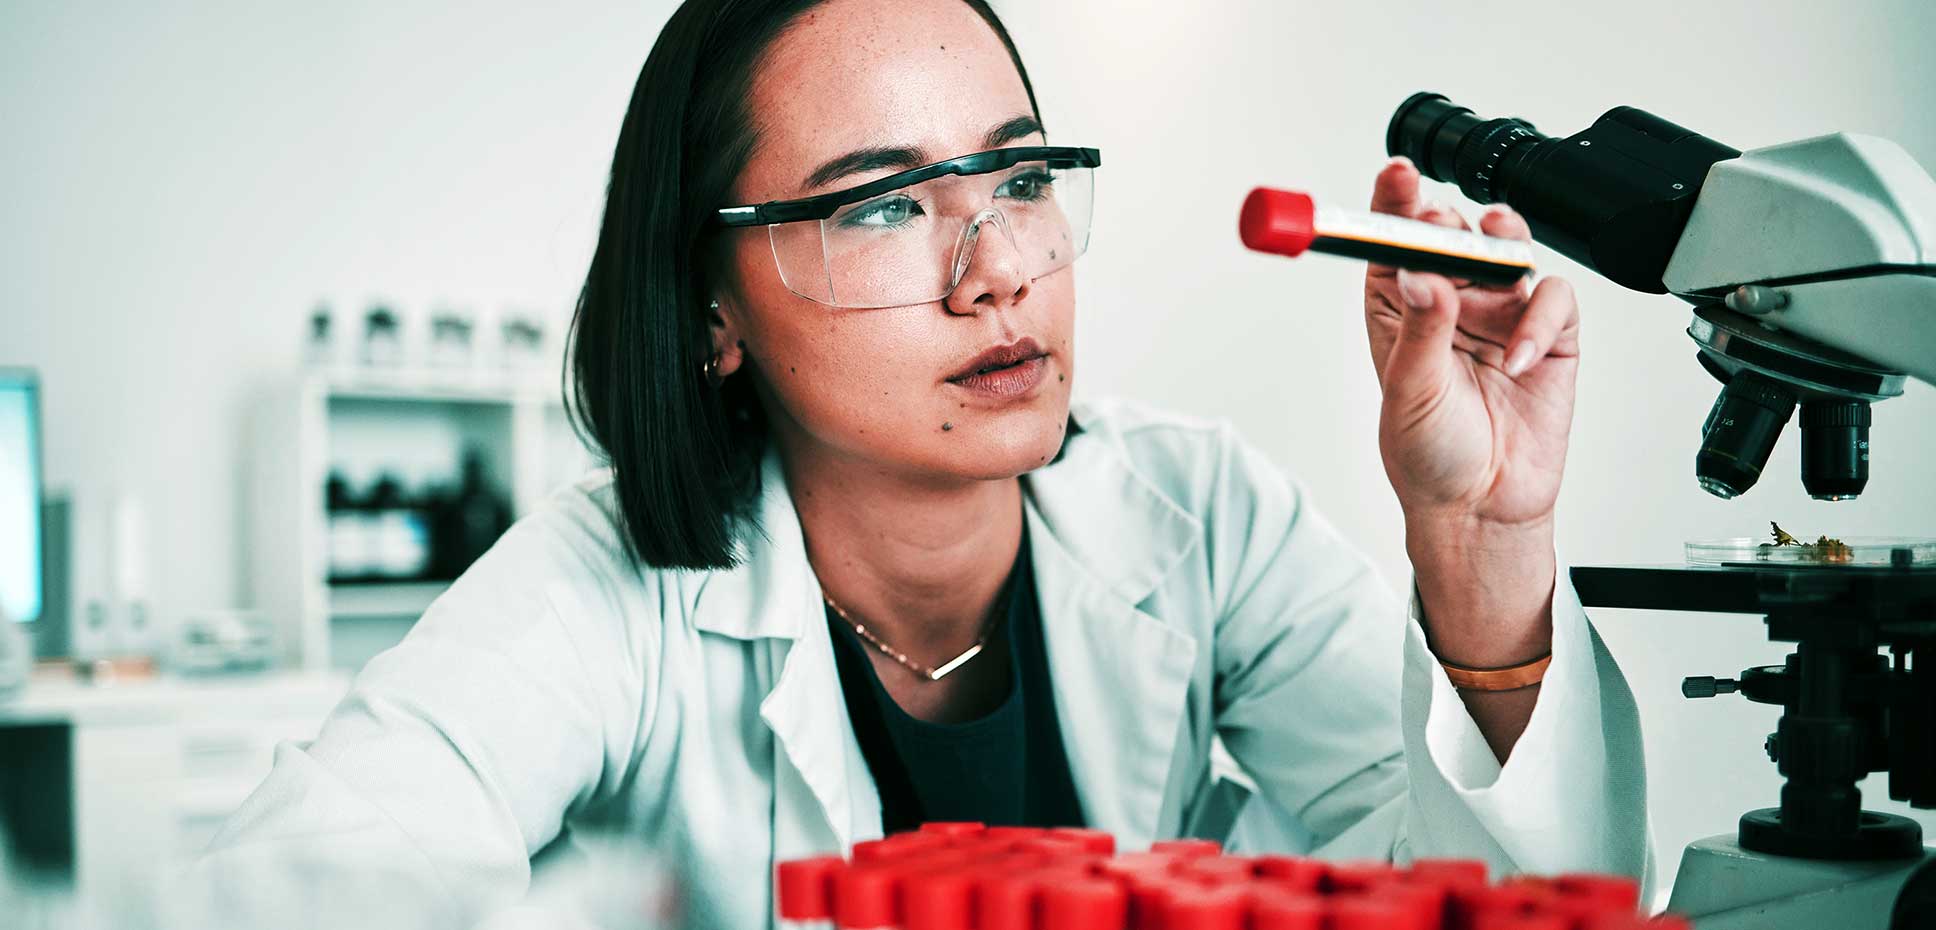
684, 455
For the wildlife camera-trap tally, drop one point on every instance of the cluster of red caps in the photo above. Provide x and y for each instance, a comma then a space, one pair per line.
963, 876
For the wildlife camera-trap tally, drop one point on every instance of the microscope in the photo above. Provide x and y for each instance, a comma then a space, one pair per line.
1811, 271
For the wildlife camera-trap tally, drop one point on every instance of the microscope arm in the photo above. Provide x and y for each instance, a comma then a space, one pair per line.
1839, 230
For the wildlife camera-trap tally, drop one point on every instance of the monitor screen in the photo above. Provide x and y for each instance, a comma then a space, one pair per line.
19, 495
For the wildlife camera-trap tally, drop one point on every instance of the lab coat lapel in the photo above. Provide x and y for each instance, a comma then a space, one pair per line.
824, 796
1103, 540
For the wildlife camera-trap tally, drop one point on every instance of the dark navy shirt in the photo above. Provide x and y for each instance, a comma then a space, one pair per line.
1007, 767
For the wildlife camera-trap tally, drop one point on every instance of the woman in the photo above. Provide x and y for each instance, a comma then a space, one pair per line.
859, 563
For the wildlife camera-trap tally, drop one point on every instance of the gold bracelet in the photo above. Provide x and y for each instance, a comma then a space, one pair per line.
1498, 679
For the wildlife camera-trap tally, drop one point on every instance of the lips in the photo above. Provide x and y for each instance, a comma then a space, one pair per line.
999, 358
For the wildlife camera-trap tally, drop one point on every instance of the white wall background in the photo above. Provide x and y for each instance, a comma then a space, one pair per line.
181, 185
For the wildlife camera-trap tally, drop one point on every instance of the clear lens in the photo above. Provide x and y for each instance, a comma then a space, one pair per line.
911, 246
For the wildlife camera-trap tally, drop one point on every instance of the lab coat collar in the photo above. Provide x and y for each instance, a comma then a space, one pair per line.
1102, 538
1116, 527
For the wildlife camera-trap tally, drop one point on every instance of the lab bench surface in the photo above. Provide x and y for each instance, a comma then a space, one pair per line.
101, 783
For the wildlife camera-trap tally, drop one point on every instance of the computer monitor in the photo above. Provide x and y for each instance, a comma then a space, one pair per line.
20, 529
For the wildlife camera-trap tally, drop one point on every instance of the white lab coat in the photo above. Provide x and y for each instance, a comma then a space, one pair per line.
1189, 594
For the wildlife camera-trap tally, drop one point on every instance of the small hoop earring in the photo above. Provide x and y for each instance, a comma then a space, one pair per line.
711, 369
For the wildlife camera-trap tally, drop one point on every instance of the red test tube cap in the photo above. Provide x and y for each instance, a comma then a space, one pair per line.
1358, 876
953, 829
1275, 907
1100, 842
1523, 921
1426, 903
1014, 833
1205, 907
1279, 222
938, 901
1363, 912
1614, 893
1091, 904
1295, 872
1186, 848
1219, 870
1129, 864
1449, 871
1006, 900
806, 887
1149, 898
864, 897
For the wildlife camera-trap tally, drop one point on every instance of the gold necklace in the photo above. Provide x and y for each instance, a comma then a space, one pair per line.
931, 674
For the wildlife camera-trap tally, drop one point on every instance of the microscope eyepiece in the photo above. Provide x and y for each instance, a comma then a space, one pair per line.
1613, 197
1740, 431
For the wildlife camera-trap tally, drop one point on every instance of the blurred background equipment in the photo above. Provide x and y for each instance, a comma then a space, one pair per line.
1813, 281
20, 496
377, 482
21, 541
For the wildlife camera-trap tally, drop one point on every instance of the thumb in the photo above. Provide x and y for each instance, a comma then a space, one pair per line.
1420, 362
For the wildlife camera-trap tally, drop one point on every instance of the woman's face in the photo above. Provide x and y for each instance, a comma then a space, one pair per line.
879, 386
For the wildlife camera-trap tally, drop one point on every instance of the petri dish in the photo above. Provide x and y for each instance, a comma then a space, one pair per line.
1853, 552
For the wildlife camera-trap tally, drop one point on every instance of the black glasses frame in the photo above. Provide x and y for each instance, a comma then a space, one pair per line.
823, 206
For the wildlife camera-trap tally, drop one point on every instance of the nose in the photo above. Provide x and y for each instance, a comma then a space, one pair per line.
989, 268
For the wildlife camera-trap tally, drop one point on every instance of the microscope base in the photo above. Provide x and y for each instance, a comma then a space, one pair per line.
1724, 887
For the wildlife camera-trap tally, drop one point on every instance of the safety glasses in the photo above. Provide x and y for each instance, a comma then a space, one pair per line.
908, 238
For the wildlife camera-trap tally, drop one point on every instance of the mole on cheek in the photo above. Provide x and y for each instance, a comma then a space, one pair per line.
947, 426
1058, 377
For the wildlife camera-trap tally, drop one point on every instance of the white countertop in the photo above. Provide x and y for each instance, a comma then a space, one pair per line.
60, 699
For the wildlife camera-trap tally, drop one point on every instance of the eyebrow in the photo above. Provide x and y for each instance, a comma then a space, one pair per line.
904, 157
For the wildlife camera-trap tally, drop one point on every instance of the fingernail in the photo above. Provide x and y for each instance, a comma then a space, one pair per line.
1520, 358
1417, 293
1398, 161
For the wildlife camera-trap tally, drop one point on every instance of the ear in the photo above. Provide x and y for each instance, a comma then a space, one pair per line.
727, 344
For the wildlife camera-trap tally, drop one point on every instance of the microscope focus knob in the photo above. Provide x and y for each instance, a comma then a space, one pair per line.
1755, 300
1706, 686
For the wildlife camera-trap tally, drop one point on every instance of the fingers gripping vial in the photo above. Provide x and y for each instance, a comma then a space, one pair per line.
1289, 223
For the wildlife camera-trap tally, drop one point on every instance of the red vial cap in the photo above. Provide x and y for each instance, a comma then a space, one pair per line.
1186, 848
866, 897
1522, 921
1100, 842
1510, 898
1426, 903
938, 901
871, 850
1279, 222
1129, 864
806, 887
1059, 847
1205, 907
909, 842
1014, 833
1149, 899
1449, 871
1358, 876
954, 829
1091, 904
1364, 912
1219, 870
1276, 907
1294, 872
1612, 892
1006, 900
